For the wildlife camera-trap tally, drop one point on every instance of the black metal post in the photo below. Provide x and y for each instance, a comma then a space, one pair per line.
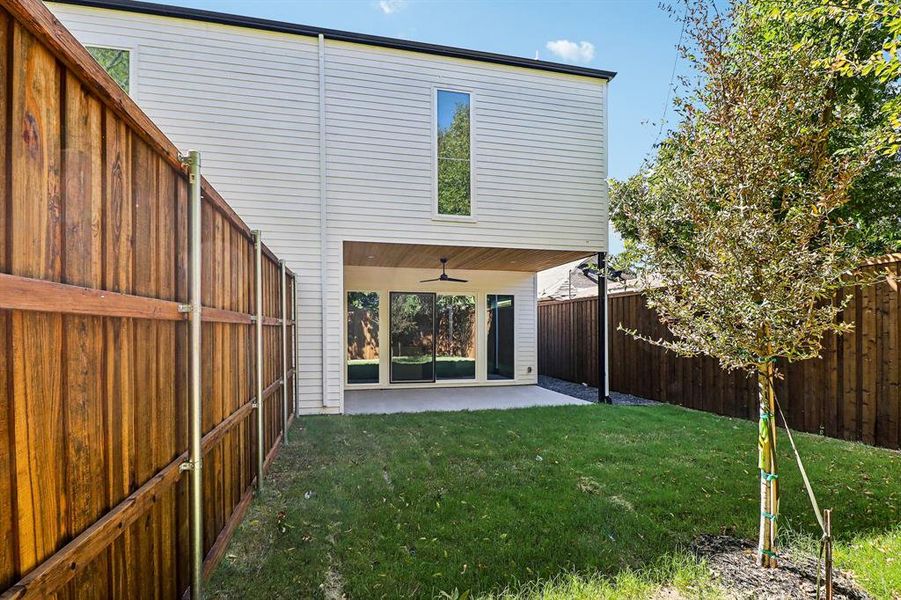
603, 396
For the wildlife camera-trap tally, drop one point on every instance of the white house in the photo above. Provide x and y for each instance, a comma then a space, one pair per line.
365, 160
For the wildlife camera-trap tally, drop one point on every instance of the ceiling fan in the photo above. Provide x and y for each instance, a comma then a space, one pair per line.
444, 276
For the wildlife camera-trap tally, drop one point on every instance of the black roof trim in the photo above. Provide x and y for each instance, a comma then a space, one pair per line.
179, 12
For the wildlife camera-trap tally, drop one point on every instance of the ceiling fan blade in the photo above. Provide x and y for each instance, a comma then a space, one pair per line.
429, 280
457, 280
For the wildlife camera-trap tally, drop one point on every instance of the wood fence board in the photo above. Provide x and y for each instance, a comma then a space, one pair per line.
8, 566
83, 349
34, 234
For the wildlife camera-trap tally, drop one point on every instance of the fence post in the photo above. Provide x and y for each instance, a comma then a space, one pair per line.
195, 459
284, 308
258, 324
294, 343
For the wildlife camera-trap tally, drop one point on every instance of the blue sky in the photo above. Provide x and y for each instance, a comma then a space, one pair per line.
634, 38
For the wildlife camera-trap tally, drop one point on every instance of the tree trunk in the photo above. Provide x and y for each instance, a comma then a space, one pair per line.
766, 443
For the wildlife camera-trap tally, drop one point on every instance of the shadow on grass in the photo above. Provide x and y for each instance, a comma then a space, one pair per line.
412, 505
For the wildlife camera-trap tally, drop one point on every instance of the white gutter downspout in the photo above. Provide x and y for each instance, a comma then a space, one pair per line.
323, 222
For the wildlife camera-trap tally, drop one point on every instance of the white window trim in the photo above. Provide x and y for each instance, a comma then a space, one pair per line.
436, 216
132, 60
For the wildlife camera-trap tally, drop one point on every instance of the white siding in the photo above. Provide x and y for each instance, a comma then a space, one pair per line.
539, 161
249, 100
538, 142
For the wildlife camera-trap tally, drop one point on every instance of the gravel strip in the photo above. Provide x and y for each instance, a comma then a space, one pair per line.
584, 392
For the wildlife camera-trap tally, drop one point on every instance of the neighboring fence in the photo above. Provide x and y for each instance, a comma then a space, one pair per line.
853, 392
567, 340
94, 343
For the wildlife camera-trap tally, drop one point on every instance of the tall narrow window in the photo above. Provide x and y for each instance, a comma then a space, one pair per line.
455, 324
454, 154
500, 337
114, 61
362, 337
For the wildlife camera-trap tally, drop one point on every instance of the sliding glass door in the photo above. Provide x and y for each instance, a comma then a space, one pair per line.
500, 339
434, 337
455, 326
412, 327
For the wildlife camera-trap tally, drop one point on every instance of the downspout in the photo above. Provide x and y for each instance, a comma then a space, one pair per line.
323, 222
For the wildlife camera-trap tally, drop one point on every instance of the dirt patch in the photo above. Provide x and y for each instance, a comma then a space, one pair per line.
621, 502
733, 561
588, 485
333, 586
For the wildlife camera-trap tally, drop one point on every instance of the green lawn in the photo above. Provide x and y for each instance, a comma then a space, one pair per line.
592, 498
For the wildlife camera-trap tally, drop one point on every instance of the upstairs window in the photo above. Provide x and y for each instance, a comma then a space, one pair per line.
454, 160
116, 62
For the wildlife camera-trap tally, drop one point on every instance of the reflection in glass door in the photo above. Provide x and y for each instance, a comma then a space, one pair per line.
362, 337
500, 337
456, 337
412, 326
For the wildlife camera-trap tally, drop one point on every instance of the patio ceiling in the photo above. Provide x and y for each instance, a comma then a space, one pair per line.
382, 254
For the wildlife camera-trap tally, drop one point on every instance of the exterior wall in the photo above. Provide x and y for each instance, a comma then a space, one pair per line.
480, 283
250, 101
539, 160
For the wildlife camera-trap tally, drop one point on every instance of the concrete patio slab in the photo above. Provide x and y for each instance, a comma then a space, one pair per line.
410, 400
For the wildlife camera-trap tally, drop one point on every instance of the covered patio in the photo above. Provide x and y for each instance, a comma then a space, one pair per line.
447, 399
444, 327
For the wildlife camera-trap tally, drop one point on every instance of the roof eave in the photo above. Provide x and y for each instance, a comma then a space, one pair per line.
208, 16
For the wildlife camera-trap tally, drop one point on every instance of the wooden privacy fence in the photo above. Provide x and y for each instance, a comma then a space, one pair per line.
853, 392
95, 343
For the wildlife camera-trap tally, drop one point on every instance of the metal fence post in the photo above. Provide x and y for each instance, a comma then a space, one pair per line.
258, 322
294, 343
195, 460
284, 299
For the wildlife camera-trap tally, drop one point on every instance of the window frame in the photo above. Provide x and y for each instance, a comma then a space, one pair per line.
476, 332
436, 215
346, 377
132, 61
513, 341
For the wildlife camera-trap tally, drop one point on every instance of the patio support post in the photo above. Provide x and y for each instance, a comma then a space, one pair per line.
603, 382
195, 457
258, 325
284, 309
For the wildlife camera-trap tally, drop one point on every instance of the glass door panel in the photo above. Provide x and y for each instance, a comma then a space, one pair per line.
362, 337
412, 337
456, 337
500, 337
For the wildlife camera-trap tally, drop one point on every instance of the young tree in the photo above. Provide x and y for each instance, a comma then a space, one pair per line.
734, 214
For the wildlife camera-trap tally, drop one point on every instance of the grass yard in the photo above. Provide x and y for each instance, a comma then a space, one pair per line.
581, 502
